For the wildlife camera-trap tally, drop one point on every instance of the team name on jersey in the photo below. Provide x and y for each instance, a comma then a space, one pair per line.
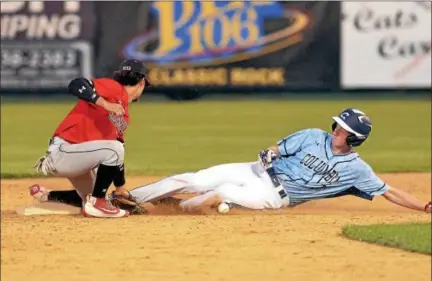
320, 167
119, 122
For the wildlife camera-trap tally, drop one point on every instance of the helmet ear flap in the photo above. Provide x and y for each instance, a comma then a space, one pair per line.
334, 125
352, 140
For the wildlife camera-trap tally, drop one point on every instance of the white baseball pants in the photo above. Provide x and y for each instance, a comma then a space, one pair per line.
245, 184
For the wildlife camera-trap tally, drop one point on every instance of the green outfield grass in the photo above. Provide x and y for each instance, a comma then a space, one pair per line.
413, 237
170, 137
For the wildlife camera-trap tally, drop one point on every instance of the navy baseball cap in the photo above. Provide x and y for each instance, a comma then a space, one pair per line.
135, 66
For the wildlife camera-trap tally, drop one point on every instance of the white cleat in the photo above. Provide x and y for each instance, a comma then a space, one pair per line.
100, 208
39, 192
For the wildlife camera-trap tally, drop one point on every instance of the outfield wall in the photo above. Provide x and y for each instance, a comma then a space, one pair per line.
219, 46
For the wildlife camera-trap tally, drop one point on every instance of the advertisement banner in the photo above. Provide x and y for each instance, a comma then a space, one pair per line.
45, 44
228, 44
386, 45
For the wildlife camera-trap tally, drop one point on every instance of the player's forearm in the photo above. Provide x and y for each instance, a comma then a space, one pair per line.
101, 102
404, 199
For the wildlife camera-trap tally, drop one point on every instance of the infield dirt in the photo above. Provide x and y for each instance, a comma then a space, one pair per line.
303, 243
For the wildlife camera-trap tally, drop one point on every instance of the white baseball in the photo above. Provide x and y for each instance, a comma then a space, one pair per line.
223, 208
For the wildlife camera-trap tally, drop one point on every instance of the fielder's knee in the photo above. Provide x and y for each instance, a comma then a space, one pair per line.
115, 153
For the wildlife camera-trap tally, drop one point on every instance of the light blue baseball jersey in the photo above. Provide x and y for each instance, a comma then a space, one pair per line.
308, 169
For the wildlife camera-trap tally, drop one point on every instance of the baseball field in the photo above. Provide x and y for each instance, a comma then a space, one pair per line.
317, 241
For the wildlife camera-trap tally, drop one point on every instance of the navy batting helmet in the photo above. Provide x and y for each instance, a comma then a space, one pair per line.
130, 72
356, 122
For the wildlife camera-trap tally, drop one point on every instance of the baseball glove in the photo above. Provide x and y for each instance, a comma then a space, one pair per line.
127, 202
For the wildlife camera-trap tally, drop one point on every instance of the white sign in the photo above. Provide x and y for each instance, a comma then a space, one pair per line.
386, 45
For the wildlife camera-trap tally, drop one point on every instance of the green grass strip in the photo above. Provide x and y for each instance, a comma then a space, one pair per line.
412, 237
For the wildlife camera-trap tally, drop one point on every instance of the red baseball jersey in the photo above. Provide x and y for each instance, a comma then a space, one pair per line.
88, 122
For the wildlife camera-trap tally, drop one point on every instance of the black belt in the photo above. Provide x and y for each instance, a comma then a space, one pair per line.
276, 184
